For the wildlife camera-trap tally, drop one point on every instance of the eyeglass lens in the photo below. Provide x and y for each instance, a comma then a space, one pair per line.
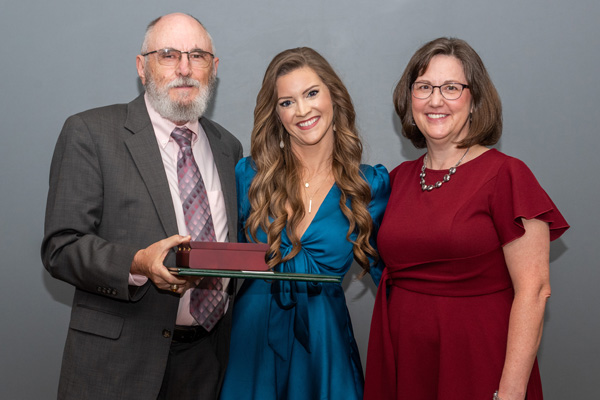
172, 57
450, 91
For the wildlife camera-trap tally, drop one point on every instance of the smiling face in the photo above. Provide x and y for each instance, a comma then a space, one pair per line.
305, 108
179, 93
443, 121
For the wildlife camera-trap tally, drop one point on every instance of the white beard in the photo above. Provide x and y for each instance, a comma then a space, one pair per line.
173, 110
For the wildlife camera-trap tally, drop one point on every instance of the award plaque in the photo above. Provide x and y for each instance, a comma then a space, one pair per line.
235, 260
223, 255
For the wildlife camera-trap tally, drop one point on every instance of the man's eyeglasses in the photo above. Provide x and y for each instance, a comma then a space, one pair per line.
172, 57
450, 91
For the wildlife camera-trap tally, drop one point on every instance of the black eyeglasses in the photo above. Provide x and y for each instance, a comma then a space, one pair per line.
450, 91
172, 57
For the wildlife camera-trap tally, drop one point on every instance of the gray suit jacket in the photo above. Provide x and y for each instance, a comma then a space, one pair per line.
108, 198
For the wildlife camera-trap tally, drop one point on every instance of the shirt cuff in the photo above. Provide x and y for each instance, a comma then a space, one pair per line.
137, 280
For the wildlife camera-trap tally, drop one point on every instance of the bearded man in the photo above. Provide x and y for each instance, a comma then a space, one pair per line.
129, 183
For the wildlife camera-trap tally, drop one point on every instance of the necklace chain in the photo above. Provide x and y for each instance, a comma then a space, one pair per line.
438, 184
307, 185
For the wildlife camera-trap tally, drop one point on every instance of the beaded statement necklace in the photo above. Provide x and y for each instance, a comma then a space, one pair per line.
438, 184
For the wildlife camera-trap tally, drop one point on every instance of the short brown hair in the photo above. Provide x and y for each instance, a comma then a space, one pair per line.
486, 119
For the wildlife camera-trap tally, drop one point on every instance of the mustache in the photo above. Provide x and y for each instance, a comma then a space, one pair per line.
183, 81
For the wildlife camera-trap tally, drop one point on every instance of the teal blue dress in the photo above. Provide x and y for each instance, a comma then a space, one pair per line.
294, 340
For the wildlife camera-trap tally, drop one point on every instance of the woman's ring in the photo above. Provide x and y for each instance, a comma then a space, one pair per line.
174, 287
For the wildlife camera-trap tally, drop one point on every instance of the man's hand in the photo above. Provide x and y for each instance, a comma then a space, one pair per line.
149, 262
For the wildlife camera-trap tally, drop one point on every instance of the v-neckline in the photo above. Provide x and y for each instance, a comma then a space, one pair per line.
316, 213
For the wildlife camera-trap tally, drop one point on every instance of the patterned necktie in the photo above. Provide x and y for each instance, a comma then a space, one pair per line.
208, 300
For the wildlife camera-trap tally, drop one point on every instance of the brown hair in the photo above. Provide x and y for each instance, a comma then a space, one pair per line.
486, 119
277, 181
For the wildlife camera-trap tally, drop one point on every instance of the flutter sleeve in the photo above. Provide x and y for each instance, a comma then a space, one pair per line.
518, 195
244, 173
379, 181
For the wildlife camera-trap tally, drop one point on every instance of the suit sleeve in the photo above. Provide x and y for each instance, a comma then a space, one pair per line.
72, 250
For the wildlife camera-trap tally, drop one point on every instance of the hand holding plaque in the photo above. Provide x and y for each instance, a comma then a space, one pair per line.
235, 260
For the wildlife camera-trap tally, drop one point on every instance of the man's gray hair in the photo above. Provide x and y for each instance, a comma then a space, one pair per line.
151, 25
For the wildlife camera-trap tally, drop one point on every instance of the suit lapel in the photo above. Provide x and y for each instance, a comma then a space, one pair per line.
224, 164
145, 153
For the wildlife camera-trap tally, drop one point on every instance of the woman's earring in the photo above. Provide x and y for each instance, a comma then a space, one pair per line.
281, 143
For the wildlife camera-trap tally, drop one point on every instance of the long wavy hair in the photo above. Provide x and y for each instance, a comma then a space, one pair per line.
278, 171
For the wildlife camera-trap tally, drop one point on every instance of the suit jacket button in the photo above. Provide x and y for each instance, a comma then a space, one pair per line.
99, 289
114, 292
166, 333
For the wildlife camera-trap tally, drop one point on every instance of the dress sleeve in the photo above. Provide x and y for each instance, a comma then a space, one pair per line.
379, 180
244, 172
519, 195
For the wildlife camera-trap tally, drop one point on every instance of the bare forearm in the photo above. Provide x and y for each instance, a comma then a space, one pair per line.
524, 335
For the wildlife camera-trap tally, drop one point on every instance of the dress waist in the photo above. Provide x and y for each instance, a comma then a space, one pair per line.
473, 276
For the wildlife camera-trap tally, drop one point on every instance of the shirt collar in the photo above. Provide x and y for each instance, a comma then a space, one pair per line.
163, 127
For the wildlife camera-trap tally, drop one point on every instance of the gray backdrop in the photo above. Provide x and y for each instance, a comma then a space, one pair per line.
62, 57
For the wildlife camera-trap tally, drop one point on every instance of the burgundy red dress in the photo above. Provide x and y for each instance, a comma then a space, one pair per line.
441, 330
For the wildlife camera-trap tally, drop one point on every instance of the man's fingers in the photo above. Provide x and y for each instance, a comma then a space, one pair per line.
150, 262
175, 240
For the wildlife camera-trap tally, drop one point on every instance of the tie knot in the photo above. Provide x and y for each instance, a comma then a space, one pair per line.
183, 137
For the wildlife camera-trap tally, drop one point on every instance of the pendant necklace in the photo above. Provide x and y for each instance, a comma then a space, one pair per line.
306, 186
438, 184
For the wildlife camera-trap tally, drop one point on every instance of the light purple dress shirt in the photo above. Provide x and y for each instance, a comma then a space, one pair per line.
206, 164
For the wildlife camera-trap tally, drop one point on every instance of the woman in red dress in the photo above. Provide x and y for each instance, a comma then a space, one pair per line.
465, 239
